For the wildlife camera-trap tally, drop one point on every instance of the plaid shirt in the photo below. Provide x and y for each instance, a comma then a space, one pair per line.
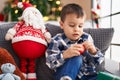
60, 42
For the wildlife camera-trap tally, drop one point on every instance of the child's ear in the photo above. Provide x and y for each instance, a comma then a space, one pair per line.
61, 24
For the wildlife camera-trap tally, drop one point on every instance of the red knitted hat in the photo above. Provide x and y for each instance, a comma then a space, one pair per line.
24, 5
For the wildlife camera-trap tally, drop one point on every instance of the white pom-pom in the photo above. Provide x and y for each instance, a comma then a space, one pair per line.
9, 35
47, 36
20, 5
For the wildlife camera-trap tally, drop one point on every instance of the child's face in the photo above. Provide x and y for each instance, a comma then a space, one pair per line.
73, 26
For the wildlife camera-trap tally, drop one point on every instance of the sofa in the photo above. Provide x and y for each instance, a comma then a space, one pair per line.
102, 38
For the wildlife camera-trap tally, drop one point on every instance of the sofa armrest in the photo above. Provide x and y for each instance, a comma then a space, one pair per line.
102, 37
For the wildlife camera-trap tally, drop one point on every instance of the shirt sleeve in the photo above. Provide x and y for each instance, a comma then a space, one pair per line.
90, 38
99, 57
54, 57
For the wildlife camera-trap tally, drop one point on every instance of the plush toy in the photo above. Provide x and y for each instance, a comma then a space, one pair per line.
5, 57
8, 70
29, 39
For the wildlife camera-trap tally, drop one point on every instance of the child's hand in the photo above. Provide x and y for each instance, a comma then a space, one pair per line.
90, 47
73, 50
82, 49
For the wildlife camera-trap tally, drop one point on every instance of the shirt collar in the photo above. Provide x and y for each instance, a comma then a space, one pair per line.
68, 40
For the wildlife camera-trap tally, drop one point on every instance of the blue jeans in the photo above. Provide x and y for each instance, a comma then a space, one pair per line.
70, 68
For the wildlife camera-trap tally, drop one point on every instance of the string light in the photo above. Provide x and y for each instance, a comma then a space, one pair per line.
16, 11
13, 5
53, 9
57, 2
59, 8
27, 1
50, 0
46, 18
35, 6
23, 0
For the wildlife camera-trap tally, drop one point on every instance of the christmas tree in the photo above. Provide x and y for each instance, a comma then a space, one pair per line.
49, 8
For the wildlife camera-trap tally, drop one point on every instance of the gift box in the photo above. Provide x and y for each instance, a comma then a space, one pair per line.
107, 76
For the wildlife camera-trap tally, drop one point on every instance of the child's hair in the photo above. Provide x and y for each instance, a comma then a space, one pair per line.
72, 9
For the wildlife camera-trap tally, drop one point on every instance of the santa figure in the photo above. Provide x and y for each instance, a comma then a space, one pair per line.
29, 39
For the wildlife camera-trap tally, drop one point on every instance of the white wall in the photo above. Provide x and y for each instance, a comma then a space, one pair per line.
2, 4
86, 4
